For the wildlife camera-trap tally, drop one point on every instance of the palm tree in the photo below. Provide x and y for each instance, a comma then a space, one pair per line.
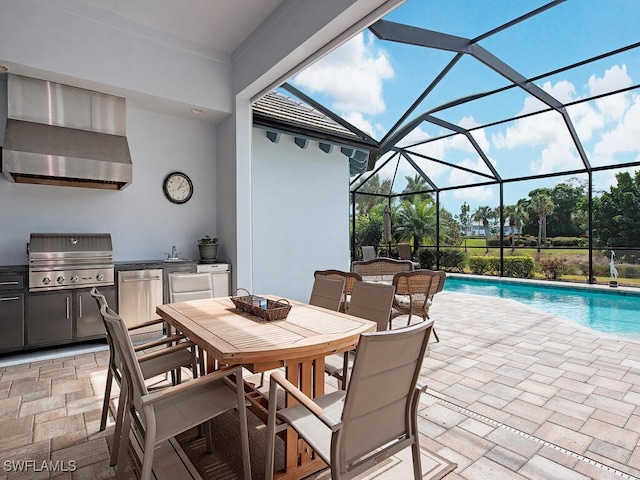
543, 204
464, 220
417, 184
483, 214
416, 220
372, 185
517, 216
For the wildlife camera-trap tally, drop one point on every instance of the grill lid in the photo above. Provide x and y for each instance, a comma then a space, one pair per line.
70, 246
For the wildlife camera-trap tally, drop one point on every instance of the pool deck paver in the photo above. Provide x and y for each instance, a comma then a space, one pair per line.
514, 393
555, 394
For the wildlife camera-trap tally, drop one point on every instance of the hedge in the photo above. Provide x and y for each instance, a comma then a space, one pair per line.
451, 259
530, 241
514, 266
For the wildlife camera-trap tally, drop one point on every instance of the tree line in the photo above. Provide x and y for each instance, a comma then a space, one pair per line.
561, 211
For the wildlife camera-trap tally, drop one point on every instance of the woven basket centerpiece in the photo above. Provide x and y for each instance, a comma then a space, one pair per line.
262, 307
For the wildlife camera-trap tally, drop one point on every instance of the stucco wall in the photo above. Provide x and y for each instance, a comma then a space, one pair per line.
142, 222
300, 215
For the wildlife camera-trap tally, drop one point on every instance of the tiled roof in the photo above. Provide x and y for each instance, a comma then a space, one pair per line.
291, 112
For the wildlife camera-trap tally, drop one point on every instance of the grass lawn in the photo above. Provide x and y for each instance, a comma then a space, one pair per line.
578, 257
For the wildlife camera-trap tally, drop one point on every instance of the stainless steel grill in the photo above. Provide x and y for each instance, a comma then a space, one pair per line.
70, 260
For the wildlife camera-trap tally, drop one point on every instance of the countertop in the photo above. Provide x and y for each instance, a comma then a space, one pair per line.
125, 265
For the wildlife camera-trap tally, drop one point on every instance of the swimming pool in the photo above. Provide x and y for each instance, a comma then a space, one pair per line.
616, 312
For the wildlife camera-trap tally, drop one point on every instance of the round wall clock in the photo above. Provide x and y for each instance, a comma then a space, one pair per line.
177, 187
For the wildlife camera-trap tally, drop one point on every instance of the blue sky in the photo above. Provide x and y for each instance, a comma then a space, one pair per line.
371, 83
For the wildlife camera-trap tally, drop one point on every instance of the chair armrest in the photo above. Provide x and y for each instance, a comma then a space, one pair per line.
168, 392
309, 404
148, 323
160, 341
165, 351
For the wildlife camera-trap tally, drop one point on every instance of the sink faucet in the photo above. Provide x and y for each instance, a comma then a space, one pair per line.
173, 255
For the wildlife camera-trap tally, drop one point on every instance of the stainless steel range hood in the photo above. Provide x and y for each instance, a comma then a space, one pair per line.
62, 135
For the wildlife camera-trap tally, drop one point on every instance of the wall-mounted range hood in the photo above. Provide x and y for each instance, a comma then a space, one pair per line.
62, 135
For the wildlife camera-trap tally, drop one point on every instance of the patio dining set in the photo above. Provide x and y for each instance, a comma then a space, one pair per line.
343, 331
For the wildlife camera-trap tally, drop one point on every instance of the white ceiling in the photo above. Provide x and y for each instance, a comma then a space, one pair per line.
218, 24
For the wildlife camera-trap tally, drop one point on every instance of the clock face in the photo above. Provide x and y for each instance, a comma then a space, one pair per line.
177, 187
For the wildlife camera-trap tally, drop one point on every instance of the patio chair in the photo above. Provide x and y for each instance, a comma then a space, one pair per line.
380, 270
153, 417
368, 252
404, 252
152, 364
327, 292
373, 302
414, 293
191, 286
375, 418
349, 279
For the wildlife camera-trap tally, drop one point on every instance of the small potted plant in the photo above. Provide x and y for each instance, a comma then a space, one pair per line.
208, 247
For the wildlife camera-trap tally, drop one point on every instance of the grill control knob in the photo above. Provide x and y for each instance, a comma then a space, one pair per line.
46, 280
100, 277
74, 279
60, 280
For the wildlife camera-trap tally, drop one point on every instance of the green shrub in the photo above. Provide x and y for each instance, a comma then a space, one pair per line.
554, 267
519, 266
569, 241
452, 259
486, 264
427, 257
514, 266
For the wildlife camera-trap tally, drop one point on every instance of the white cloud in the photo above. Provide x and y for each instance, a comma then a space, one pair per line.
562, 91
540, 129
352, 75
623, 137
554, 157
614, 78
585, 120
480, 195
357, 120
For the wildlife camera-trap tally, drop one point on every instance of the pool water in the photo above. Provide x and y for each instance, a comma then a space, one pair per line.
614, 312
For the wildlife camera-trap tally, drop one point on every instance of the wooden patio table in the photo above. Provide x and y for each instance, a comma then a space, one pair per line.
299, 343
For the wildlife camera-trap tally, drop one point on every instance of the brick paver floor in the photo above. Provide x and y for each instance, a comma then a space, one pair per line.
513, 393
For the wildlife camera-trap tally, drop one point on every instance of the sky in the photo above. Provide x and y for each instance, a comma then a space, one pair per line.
371, 83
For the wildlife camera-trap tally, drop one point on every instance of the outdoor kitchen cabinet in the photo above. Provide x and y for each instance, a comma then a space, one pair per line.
65, 317
89, 323
11, 311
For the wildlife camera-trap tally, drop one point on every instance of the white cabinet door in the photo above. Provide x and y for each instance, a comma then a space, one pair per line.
220, 284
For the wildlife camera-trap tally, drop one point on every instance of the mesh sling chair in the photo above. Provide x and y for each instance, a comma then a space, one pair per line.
154, 417
152, 363
404, 253
370, 301
191, 286
415, 291
349, 279
327, 292
368, 252
374, 418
